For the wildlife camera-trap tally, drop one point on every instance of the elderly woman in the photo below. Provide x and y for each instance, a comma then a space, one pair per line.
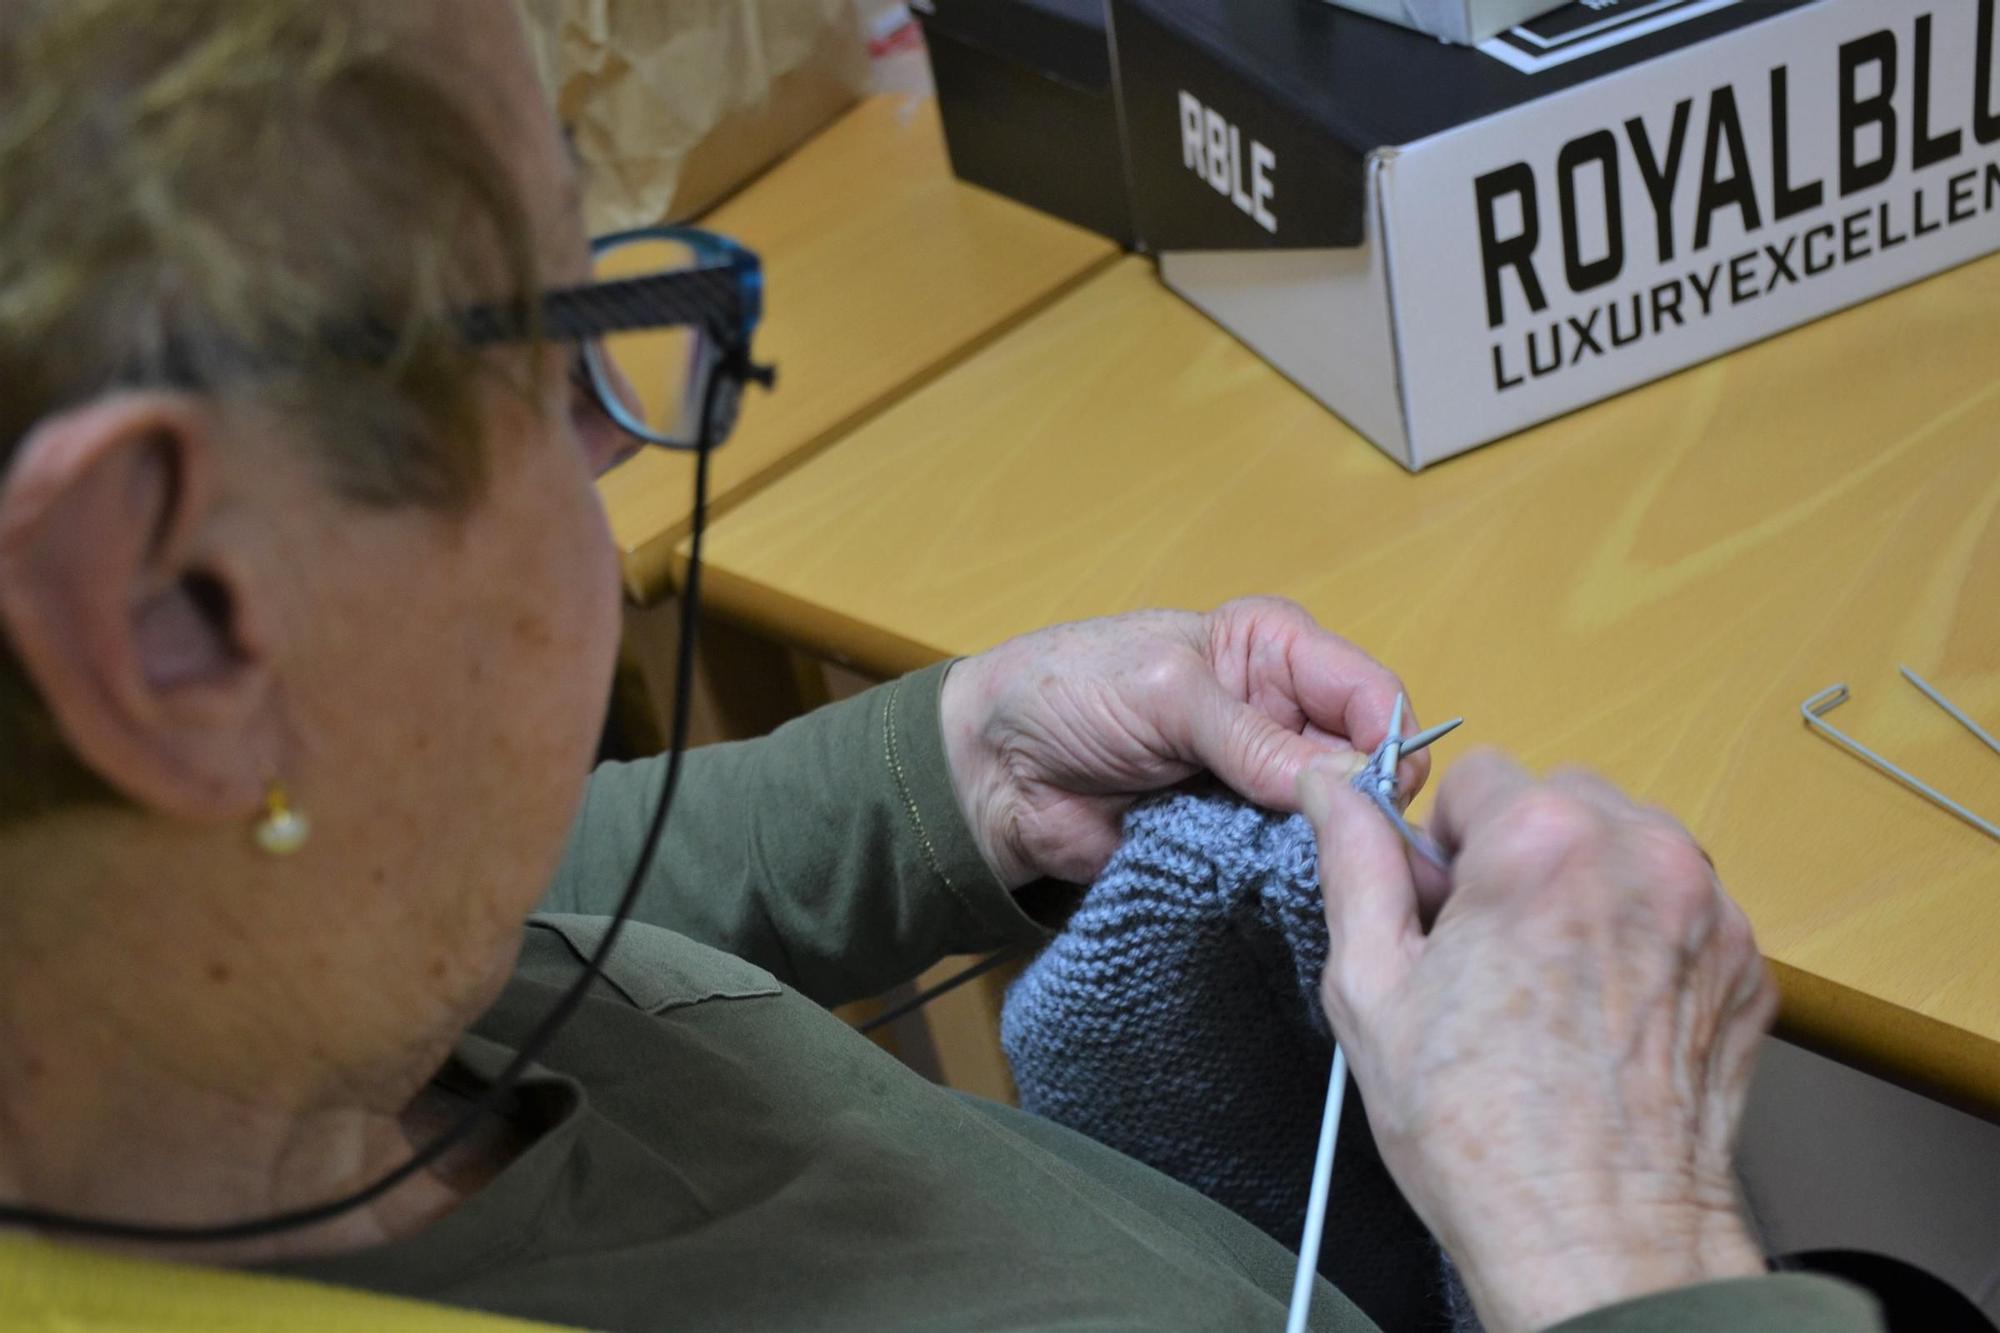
309, 612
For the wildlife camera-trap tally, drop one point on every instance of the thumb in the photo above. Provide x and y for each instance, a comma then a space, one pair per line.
1373, 926
1260, 760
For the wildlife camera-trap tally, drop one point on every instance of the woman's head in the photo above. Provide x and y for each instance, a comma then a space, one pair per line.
240, 544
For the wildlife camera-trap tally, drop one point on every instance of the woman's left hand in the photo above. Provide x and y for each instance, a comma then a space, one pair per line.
1052, 735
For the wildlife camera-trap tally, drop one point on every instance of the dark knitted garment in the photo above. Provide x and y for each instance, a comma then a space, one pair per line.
1177, 1019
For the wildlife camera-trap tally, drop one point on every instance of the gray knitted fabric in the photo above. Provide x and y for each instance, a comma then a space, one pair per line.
1177, 1019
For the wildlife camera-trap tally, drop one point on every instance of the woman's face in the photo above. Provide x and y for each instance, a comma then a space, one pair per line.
454, 678
449, 673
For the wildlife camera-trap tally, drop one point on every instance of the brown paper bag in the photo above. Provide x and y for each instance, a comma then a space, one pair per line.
674, 103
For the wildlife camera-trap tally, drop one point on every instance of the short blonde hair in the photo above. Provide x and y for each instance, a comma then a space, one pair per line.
197, 193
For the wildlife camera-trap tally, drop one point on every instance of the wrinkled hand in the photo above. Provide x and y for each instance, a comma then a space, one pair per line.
1555, 1072
1052, 735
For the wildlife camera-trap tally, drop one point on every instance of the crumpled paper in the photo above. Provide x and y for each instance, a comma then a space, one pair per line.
673, 103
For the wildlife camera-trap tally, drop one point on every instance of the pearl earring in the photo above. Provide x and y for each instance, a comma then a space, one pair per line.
281, 830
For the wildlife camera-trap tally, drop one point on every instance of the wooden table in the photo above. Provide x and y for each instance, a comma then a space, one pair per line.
880, 271
1650, 587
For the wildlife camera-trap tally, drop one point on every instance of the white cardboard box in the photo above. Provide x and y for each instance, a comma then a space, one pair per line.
1572, 244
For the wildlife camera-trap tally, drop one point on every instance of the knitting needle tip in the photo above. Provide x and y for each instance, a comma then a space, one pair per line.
1425, 737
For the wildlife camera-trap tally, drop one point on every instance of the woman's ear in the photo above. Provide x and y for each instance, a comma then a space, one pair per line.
122, 597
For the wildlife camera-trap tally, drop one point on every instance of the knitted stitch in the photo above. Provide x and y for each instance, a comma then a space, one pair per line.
1177, 1019
1173, 1018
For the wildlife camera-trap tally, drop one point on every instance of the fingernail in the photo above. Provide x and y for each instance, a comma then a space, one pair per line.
1316, 783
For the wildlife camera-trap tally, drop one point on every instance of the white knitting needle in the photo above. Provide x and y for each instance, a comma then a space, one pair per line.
1329, 1130
1384, 761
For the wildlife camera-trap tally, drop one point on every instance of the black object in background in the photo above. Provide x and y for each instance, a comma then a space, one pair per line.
1321, 89
1913, 1301
1024, 89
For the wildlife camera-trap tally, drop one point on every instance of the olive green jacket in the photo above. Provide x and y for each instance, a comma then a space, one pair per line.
712, 1149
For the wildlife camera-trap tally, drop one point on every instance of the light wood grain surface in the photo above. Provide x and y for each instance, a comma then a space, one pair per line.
880, 270
1649, 587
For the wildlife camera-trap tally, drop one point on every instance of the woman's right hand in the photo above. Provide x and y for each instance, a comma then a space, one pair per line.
1556, 1069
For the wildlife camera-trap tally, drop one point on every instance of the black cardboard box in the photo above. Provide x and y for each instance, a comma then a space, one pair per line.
1024, 90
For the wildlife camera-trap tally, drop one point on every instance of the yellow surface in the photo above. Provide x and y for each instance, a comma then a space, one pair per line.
47, 1288
1649, 587
879, 271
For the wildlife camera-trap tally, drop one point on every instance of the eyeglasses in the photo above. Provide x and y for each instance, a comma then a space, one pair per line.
664, 330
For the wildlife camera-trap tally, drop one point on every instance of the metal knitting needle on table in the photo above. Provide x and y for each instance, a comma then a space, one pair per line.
1819, 705
1376, 781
